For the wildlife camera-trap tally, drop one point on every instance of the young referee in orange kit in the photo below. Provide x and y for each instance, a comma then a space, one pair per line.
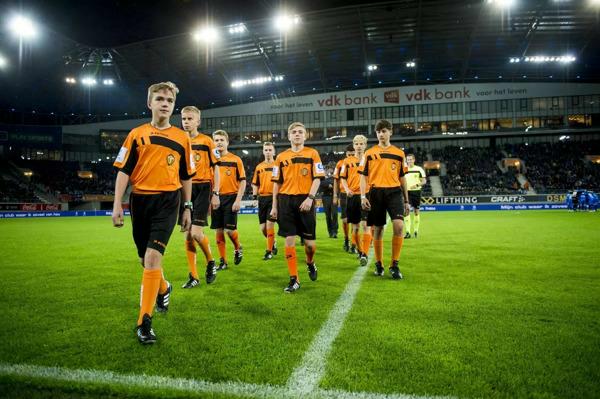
262, 189
157, 159
383, 168
296, 175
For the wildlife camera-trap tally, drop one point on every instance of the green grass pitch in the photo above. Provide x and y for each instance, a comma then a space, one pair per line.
493, 304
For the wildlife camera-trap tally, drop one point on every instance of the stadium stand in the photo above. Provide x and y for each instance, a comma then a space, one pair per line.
474, 171
559, 166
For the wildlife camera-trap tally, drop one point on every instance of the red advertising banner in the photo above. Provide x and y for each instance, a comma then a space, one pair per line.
30, 207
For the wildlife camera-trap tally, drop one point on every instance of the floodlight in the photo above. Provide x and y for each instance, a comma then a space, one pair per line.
208, 34
22, 27
108, 82
256, 81
502, 3
285, 22
70, 80
372, 67
411, 64
237, 28
87, 81
3, 62
543, 58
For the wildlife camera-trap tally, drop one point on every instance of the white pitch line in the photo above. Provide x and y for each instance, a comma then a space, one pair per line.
151, 383
306, 377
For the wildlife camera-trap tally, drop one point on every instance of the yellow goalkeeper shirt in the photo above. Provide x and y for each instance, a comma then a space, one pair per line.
413, 177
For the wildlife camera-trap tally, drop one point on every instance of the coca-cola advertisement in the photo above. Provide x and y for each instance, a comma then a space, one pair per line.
30, 207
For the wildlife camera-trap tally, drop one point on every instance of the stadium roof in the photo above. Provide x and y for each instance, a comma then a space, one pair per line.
328, 49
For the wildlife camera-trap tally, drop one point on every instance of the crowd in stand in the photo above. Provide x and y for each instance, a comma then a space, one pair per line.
474, 171
16, 192
549, 167
558, 166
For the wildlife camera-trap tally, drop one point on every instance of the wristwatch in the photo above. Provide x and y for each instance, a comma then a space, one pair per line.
188, 205
363, 197
312, 197
215, 193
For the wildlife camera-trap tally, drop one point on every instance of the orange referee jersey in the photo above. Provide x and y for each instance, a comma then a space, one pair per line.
349, 171
206, 157
156, 160
295, 171
336, 175
231, 172
262, 178
383, 166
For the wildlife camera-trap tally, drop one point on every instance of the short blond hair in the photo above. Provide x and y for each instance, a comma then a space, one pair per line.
296, 124
359, 138
221, 133
156, 87
190, 108
268, 143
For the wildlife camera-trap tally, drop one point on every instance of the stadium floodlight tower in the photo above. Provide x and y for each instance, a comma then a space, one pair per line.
22, 27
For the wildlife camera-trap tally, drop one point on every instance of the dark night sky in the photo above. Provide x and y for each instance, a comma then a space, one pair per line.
112, 23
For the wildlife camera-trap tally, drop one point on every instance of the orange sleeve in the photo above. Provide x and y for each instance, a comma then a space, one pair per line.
318, 169
363, 166
241, 172
187, 166
127, 157
404, 168
255, 178
344, 171
213, 154
276, 176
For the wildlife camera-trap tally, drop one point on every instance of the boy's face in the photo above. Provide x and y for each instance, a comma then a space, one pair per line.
349, 154
190, 121
221, 143
162, 104
410, 160
359, 146
269, 151
297, 135
384, 135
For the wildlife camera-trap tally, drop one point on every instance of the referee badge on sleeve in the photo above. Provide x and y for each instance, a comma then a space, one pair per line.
121, 156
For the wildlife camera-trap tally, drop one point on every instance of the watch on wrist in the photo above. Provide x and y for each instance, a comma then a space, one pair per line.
215, 193
188, 205
363, 197
312, 197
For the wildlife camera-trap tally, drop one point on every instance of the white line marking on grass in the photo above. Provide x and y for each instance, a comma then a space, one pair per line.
151, 383
306, 377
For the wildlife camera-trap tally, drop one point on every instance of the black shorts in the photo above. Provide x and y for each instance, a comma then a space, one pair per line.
153, 217
265, 204
385, 200
414, 198
355, 211
344, 204
223, 217
293, 222
201, 193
